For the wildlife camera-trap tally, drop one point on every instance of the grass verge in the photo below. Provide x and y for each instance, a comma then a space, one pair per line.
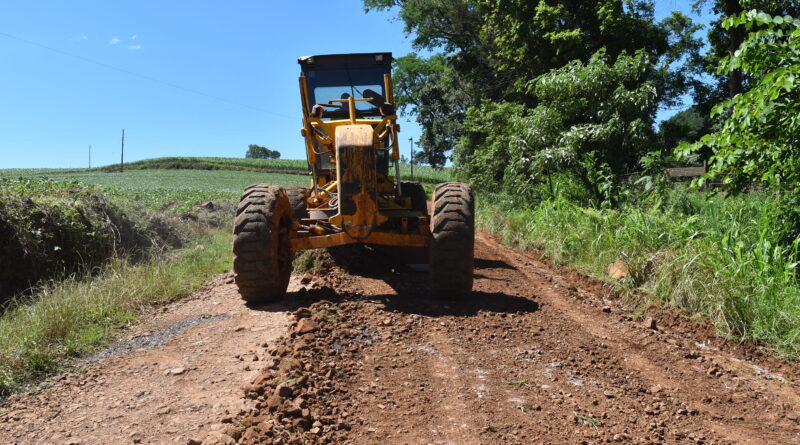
64, 319
711, 256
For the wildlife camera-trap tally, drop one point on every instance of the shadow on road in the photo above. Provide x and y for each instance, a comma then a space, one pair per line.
411, 291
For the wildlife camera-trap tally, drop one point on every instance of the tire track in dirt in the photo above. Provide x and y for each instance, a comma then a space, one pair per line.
531, 356
637, 349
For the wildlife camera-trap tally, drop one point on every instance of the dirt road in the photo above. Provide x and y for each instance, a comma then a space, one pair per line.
536, 355
175, 376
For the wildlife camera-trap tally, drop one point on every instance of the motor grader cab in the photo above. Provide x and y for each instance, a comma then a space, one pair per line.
355, 194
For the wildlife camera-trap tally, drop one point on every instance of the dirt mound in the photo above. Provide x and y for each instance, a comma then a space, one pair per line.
68, 231
291, 399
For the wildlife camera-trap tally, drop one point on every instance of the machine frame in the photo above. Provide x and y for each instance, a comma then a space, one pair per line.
396, 223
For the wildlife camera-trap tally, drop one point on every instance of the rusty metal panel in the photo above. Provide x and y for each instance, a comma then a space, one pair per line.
355, 168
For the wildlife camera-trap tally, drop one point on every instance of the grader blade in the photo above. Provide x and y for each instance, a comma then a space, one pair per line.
355, 166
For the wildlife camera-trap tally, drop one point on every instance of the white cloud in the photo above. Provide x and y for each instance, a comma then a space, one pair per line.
134, 47
133, 37
81, 38
114, 41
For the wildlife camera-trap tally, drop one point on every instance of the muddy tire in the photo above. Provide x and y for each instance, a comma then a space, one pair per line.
262, 252
297, 201
453, 240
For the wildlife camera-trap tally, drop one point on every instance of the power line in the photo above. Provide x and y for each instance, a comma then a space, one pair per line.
141, 76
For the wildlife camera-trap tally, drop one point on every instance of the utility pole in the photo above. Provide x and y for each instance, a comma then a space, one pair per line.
122, 153
411, 140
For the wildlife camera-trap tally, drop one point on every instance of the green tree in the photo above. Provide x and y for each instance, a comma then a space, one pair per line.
491, 49
723, 41
593, 122
258, 152
433, 91
686, 126
758, 139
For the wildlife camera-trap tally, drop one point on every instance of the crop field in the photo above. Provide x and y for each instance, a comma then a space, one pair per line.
178, 188
211, 181
422, 173
182, 182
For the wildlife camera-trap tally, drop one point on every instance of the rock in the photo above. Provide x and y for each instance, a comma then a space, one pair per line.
274, 402
618, 270
206, 205
283, 391
290, 364
607, 309
305, 326
303, 312
650, 323
175, 371
228, 280
291, 409
194, 442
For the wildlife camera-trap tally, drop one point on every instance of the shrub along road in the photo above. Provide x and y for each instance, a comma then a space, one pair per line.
536, 354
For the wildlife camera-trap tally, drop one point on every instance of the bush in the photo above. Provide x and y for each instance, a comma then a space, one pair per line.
54, 229
717, 257
593, 122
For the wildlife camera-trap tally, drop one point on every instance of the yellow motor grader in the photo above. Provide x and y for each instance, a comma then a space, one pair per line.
356, 195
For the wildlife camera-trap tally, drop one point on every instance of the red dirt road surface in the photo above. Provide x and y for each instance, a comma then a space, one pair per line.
536, 354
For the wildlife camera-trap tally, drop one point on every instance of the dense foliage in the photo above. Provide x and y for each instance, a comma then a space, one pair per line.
492, 49
723, 41
593, 122
758, 140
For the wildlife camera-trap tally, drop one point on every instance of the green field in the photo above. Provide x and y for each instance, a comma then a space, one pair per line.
177, 189
179, 183
422, 173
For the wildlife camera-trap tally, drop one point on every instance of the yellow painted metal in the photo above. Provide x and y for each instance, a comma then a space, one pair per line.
377, 237
320, 137
355, 170
351, 105
307, 130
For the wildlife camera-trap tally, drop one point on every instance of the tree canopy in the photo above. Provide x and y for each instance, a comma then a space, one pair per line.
492, 49
758, 139
258, 152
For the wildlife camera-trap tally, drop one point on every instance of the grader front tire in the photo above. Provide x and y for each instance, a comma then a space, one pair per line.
452, 247
262, 253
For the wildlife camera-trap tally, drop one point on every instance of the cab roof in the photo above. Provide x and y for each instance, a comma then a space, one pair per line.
350, 61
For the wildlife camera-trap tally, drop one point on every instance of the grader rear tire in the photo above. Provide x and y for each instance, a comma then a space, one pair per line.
297, 201
453, 244
262, 252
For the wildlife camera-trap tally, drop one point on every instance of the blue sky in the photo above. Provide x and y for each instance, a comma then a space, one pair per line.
183, 78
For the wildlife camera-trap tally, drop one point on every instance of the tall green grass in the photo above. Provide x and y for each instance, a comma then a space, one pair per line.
712, 256
68, 318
